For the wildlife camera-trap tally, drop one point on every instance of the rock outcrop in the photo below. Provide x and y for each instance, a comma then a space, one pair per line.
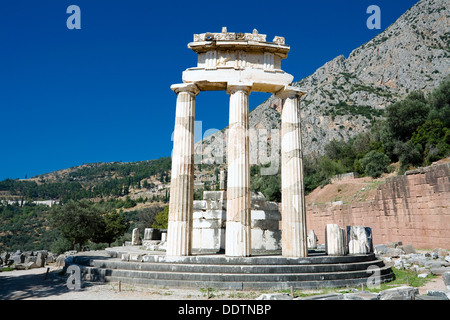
346, 94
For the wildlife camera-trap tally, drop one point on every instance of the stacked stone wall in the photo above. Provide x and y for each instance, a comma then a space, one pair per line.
210, 217
413, 208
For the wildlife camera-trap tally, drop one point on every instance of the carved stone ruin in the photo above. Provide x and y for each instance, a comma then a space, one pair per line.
135, 238
223, 180
335, 240
238, 63
210, 220
312, 239
359, 240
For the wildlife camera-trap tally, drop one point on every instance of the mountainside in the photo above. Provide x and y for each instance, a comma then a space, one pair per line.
346, 94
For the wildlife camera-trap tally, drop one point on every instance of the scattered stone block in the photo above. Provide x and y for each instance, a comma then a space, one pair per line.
408, 248
433, 264
135, 238
440, 252
40, 259
215, 195
362, 295
152, 234
394, 252
446, 279
359, 240
312, 240
17, 258
399, 293
30, 265
209, 219
327, 296
274, 296
439, 270
5, 257
30, 259
60, 260
380, 249
50, 258
135, 257
425, 297
437, 293
422, 275
393, 244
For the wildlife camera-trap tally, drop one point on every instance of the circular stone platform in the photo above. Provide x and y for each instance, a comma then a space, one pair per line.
239, 273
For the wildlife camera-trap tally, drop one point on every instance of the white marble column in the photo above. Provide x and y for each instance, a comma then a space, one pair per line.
238, 227
335, 243
179, 233
294, 237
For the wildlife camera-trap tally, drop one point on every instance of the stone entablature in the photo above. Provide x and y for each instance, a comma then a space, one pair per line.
255, 36
227, 57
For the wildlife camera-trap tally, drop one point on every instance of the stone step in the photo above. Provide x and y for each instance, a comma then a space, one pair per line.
258, 272
246, 277
253, 260
247, 285
247, 269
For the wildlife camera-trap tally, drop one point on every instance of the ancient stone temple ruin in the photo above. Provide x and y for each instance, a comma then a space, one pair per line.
232, 219
238, 63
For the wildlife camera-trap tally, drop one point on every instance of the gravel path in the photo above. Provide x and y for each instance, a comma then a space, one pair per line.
33, 285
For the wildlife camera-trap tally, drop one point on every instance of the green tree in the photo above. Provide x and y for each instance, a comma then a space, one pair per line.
342, 152
374, 163
409, 154
439, 101
268, 185
161, 219
433, 138
114, 225
146, 216
405, 116
78, 221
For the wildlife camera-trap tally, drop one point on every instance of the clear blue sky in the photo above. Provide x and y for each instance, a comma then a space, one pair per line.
102, 93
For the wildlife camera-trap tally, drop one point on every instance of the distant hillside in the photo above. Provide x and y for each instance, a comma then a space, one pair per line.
94, 180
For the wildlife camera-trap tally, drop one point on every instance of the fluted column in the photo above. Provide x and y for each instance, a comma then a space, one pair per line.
179, 233
293, 236
238, 227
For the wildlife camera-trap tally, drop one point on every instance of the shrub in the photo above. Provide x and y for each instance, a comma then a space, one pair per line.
161, 219
374, 163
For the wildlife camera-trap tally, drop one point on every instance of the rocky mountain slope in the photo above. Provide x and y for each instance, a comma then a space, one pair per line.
346, 94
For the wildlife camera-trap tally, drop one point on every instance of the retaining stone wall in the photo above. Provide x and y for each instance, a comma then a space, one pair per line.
413, 208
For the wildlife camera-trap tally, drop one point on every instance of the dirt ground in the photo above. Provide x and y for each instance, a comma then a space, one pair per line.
35, 284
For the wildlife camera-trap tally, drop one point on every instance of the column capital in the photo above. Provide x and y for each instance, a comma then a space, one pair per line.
290, 92
185, 87
233, 87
